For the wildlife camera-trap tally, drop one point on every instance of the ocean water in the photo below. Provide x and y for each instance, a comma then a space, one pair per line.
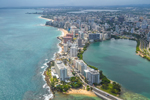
26, 45
119, 62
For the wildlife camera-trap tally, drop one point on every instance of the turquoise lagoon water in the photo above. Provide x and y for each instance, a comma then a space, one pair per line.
119, 62
25, 47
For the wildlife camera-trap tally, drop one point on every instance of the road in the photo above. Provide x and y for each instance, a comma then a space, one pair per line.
99, 92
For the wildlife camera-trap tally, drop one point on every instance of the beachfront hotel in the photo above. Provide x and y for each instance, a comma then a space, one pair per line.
61, 70
92, 75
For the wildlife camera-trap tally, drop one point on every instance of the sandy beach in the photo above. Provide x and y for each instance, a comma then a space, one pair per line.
81, 92
65, 32
46, 18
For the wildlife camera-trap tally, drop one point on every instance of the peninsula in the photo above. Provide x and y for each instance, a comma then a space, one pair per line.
68, 72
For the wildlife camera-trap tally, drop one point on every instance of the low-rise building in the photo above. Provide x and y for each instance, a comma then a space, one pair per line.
67, 38
70, 35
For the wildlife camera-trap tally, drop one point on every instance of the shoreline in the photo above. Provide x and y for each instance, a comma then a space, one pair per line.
51, 95
64, 32
71, 91
45, 18
81, 92
46, 78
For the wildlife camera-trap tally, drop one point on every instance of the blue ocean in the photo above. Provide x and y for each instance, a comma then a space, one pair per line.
26, 45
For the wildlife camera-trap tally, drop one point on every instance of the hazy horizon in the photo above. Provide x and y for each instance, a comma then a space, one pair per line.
35, 3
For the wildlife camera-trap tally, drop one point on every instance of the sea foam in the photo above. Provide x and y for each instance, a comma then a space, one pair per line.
40, 25
50, 95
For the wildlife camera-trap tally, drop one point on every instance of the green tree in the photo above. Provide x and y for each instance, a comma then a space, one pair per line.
105, 86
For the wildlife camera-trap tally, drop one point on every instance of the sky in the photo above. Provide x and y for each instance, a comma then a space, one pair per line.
26, 3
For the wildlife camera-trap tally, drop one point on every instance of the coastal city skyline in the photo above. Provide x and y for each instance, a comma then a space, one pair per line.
75, 50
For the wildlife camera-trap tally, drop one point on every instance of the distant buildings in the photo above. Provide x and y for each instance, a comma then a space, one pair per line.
148, 36
79, 42
138, 25
106, 26
144, 24
106, 36
81, 35
121, 19
70, 35
117, 29
49, 23
61, 70
132, 30
94, 76
84, 27
67, 25
93, 36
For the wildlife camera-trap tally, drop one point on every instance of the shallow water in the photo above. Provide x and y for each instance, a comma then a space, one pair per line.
25, 47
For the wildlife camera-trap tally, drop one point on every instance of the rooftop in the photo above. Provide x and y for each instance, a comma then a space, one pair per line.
69, 34
60, 64
68, 37
92, 71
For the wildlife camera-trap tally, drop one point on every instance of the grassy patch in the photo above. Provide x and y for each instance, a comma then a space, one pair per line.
110, 86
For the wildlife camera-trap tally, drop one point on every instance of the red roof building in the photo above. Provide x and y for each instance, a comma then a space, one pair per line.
66, 38
70, 35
